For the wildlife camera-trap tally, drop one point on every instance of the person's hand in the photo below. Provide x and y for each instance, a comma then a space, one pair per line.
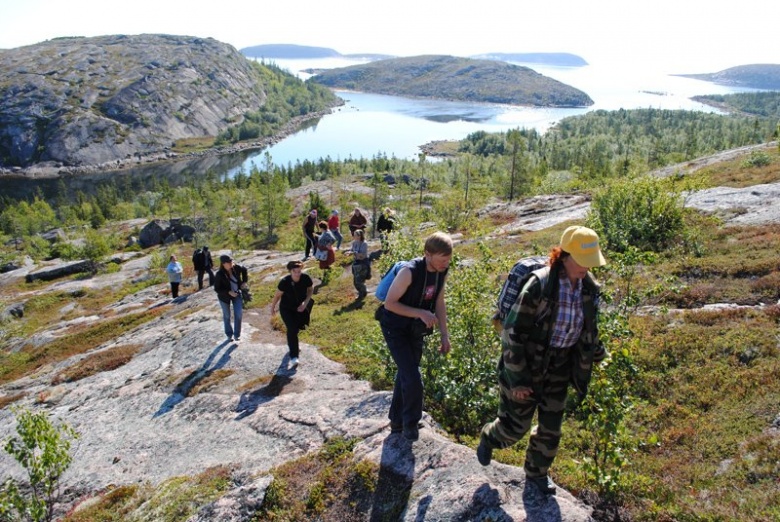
302, 307
520, 393
445, 347
429, 318
232, 294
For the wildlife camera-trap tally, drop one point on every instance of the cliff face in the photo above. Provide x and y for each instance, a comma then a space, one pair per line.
87, 101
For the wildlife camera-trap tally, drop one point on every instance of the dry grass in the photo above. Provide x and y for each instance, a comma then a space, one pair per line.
82, 339
102, 361
735, 174
5, 400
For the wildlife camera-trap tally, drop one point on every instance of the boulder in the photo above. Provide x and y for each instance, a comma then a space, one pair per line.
58, 271
54, 235
154, 233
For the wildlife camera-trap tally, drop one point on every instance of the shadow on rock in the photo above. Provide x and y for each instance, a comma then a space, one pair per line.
486, 503
250, 401
538, 506
183, 389
396, 477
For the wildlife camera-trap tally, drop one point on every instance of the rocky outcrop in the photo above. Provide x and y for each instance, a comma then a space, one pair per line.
87, 101
61, 270
188, 401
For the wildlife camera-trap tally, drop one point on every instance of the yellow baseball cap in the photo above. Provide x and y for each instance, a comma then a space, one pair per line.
583, 245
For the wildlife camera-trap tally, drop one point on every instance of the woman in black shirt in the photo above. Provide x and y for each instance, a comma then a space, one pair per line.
293, 297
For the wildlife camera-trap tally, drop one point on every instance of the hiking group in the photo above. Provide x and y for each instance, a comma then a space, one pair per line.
546, 315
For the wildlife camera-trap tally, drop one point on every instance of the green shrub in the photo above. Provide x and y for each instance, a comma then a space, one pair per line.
757, 158
43, 450
646, 213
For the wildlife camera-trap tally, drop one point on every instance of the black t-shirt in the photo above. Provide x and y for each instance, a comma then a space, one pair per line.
293, 294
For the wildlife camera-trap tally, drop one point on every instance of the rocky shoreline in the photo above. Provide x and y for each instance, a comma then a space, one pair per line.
55, 170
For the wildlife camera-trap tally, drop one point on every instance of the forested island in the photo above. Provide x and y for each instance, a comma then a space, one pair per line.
757, 76
452, 78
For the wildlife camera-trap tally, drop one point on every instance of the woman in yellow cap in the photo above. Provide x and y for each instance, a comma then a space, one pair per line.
550, 339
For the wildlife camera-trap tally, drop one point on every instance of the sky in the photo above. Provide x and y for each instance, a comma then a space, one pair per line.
672, 36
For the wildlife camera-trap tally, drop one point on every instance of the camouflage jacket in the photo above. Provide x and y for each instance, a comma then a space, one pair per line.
528, 328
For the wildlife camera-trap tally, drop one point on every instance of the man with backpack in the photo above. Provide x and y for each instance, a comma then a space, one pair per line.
549, 339
202, 263
414, 305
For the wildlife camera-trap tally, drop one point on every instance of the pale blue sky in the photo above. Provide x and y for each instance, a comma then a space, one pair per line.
665, 35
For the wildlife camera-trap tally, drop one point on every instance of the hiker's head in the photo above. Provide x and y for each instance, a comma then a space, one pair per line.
359, 235
225, 259
438, 251
323, 225
295, 268
173, 258
582, 244
205, 248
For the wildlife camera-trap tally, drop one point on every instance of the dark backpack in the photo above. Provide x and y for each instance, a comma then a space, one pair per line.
515, 281
199, 260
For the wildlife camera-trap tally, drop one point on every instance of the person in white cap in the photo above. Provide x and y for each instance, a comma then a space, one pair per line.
550, 339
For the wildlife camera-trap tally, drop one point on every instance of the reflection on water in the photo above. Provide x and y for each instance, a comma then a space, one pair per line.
137, 179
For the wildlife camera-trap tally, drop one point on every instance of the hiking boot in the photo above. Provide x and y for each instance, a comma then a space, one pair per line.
237, 339
484, 452
294, 362
543, 484
396, 427
411, 433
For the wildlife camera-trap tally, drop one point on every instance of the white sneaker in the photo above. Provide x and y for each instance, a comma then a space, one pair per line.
294, 362
237, 339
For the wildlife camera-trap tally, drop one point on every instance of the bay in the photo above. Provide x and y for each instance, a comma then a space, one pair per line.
370, 124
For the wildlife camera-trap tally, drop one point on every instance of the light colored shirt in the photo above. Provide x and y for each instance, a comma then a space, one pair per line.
570, 319
174, 270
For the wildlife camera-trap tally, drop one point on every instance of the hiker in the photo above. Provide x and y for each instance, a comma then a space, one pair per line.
293, 297
414, 305
228, 281
309, 226
335, 228
202, 263
384, 225
174, 271
357, 221
551, 327
324, 253
361, 265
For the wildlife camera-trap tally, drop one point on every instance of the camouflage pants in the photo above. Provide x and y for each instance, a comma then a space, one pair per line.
515, 418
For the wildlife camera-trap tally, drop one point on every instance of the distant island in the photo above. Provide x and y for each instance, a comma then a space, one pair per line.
557, 59
296, 52
757, 76
452, 78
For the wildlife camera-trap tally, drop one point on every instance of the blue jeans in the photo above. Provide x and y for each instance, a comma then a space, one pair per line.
406, 349
238, 312
338, 236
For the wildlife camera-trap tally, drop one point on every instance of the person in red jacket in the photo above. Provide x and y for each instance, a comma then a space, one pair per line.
335, 228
